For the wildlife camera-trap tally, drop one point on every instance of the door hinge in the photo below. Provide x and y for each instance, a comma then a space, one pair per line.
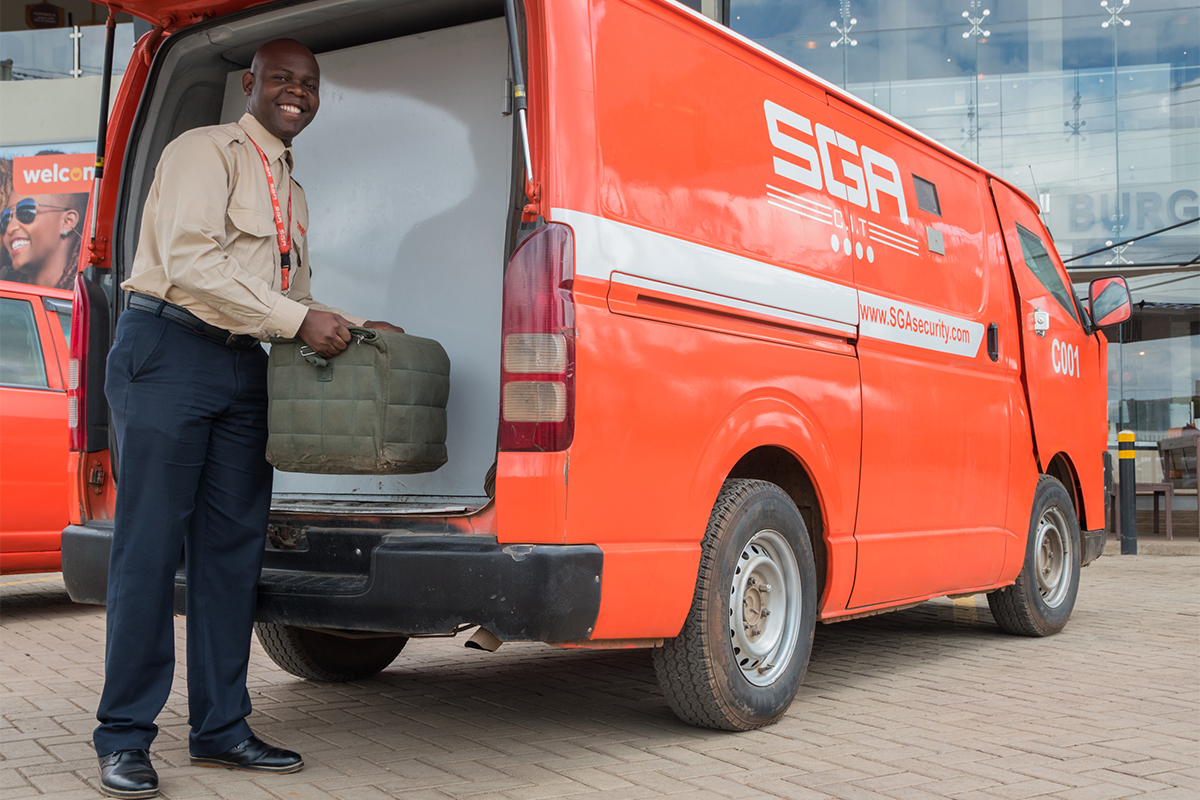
96, 478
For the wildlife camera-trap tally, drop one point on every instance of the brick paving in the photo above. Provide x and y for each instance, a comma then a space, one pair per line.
932, 702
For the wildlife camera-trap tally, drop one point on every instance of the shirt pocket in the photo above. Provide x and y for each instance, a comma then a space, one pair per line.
252, 243
250, 221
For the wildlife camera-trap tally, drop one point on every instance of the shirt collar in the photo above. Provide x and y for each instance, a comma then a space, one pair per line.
271, 145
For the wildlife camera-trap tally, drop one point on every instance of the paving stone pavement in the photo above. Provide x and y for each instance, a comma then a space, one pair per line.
932, 702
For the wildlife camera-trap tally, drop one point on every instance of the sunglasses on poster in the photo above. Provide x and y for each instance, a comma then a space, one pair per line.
26, 212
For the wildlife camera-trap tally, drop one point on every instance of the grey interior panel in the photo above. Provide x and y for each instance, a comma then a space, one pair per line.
407, 173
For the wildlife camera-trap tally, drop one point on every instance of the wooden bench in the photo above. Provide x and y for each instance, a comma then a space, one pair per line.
1157, 489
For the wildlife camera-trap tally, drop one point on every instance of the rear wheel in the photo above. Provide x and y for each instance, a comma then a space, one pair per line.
1041, 600
320, 656
744, 647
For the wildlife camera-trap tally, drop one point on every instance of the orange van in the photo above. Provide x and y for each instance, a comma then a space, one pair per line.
734, 352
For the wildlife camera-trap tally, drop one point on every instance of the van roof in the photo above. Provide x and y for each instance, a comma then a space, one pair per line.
176, 14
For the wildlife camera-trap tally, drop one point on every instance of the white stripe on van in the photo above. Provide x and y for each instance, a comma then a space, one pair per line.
796, 207
904, 323
789, 317
604, 246
823, 212
891, 238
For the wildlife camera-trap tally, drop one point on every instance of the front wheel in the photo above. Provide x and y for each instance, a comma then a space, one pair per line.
1041, 600
320, 656
744, 647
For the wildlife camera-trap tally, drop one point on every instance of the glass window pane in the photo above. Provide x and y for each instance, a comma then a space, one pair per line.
1155, 355
1042, 267
64, 319
21, 362
763, 19
927, 197
1159, 36
49, 53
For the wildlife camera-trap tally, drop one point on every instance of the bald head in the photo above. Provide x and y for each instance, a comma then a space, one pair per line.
283, 87
281, 48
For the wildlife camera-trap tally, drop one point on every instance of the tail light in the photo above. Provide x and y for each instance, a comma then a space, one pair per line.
77, 368
537, 377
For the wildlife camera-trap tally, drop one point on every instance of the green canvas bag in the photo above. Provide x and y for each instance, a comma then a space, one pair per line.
376, 408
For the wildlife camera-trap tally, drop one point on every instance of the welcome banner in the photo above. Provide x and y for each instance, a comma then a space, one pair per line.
54, 174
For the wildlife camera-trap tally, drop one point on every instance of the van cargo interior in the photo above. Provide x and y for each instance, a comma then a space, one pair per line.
408, 170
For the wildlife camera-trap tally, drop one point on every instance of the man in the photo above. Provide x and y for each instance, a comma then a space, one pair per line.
222, 262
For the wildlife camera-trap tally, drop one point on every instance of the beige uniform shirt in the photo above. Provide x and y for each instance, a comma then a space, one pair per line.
208, 238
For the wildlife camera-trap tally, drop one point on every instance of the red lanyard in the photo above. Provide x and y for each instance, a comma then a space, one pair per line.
284, 232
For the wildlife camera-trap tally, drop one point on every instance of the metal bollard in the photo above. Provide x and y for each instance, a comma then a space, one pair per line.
1128, 495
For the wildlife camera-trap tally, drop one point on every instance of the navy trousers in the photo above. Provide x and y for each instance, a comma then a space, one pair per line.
191, 427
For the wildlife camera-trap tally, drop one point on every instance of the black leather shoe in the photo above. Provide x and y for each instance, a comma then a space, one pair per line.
254, 755
127, 773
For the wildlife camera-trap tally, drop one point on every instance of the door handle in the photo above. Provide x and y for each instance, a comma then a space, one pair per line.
993, 341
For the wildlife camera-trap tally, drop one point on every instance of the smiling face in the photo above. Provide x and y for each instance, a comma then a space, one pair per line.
283, 85
32, 244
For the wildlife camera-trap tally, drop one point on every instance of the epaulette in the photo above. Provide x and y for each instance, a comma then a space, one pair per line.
226, 134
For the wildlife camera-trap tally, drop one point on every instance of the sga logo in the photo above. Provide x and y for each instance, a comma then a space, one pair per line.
869, 174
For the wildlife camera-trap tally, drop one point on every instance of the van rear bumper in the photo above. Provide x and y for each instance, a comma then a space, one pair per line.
397, 583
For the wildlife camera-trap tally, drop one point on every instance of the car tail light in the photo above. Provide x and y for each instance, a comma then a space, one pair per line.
77, 368
537, 374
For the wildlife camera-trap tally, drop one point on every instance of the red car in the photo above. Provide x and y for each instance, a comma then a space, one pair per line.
35, 325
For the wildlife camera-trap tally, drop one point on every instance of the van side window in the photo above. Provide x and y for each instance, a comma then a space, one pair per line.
927, 198
62, 312
1042, 267
21, 362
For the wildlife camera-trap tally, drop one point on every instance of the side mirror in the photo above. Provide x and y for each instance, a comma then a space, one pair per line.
1108, 302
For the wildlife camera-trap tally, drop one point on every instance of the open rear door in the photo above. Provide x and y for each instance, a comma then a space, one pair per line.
1061, 369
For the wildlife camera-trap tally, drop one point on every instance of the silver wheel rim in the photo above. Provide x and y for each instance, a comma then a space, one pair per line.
1052, 557
764, 607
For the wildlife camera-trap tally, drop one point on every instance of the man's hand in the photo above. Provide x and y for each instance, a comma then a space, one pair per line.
382, 326
325, 332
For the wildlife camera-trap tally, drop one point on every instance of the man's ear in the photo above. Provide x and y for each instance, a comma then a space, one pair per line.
247, 82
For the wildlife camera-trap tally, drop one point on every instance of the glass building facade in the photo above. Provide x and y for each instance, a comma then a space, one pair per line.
68, 52
1092, 108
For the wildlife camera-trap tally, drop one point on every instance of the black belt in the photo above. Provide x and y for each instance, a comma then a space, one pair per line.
178, 314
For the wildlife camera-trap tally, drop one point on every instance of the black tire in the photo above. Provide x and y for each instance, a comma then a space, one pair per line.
319, 656
1041, 600
755, 535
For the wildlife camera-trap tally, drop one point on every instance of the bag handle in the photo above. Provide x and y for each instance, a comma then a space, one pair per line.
362, 335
